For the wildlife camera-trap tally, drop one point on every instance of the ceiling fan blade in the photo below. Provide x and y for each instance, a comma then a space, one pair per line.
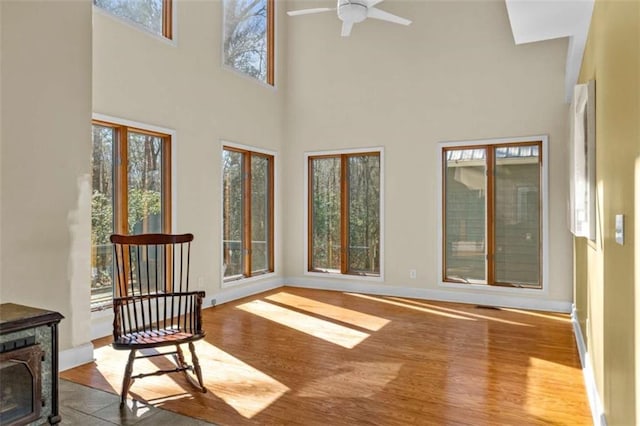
372, 3
346, 28
310, 11
376, 13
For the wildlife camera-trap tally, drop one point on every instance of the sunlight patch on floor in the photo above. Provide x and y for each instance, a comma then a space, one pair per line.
416, 308
540, 376
551, 316
352, 380
469, 314
359, 319
245, 388
111, 363
325, 330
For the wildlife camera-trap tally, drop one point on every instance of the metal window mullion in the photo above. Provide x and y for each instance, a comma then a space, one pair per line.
167, 18
166, 183
246, 212
444, 214
122, 191
490, 214
270, 213
310, 224
271, 42
540, 215
344, 214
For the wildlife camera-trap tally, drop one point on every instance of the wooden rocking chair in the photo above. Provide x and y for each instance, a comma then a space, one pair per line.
152, 304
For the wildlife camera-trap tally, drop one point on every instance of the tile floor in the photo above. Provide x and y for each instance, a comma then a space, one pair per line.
82, 405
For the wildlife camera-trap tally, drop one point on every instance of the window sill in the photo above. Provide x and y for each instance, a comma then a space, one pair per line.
493, 288
248, 77
136, 26
344, 276
240, 281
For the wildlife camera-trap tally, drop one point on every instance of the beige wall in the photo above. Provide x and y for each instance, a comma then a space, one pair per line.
607, 284
1, 79
44, 169
183, 86
454, 74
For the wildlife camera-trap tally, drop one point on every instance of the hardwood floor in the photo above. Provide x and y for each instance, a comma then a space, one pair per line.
299, 356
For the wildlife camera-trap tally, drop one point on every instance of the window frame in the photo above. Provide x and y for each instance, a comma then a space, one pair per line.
271, 45
168, 20
542, 141
248, 274
308, 251
122, 128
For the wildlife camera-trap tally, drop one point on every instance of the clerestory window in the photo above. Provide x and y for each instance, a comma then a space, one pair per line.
153, 15
248, 41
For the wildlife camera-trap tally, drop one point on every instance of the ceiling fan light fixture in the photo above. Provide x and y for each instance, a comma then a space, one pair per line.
352, 12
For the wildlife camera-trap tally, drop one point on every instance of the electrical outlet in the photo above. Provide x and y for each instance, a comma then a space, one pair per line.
412, 274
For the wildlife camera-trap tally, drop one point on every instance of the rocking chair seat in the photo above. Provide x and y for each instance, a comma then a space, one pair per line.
155, 338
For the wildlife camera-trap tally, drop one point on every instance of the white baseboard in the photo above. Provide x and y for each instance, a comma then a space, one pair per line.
230, 294
597, 411
75, 356
101, 322
491, 299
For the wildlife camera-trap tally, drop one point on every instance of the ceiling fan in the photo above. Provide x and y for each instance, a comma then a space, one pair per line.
354, 11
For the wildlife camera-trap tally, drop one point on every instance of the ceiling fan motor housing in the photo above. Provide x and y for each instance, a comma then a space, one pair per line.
352, 11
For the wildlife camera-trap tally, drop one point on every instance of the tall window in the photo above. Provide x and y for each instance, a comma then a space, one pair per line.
344, 213
131, 178
153, 15
247, 188
492, 214
249, 37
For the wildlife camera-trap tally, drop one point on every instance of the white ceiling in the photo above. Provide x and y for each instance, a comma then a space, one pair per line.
537, 20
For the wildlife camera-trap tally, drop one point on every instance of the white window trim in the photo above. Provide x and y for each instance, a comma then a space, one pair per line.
97, 315
582, 162
173, 41
246, 280
332, 275
174, 150
545, 215
275, 53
